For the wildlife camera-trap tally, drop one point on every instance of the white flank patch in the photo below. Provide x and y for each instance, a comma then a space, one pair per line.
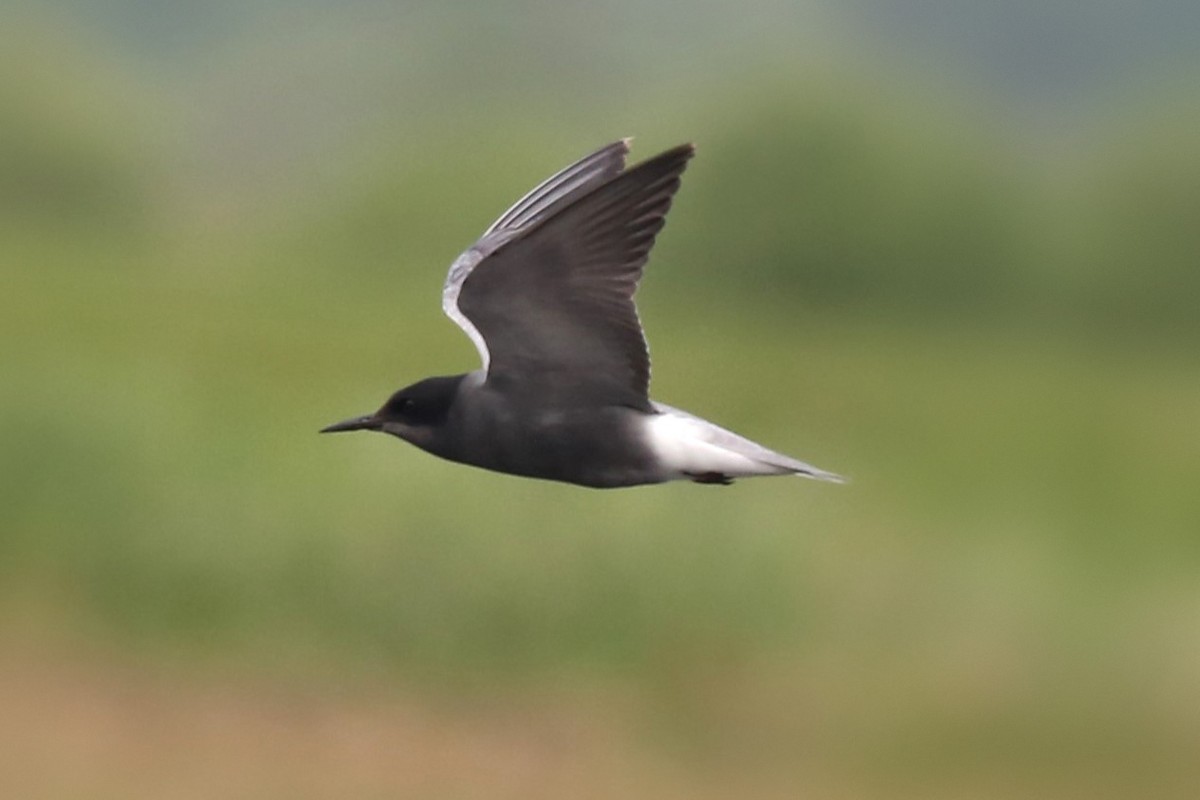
686, 445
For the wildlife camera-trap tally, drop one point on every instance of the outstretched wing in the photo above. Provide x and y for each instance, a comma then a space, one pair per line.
552, 300
552, 193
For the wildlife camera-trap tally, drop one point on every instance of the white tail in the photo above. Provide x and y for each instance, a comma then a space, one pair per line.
687, 446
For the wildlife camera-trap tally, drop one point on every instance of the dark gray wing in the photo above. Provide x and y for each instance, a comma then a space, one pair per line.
588, 171
554, 192
553, 301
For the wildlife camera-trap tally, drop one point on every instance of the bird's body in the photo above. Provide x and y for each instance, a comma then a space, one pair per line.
488, 427
546, 295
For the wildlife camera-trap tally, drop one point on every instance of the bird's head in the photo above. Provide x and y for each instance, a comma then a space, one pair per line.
414, 413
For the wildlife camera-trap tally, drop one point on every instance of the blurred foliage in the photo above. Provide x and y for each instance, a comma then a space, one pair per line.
158, 388
1140, 242
997, 347
74, 159
843, 195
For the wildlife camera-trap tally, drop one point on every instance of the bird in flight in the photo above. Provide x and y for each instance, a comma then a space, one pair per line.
546, 295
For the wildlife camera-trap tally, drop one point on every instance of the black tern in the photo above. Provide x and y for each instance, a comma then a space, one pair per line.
546, 295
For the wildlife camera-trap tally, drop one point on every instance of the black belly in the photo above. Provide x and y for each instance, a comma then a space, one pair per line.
599, 447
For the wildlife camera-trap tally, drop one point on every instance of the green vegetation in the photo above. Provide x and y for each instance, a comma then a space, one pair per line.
1000, 355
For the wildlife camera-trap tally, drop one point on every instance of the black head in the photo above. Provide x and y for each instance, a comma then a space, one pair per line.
412, 413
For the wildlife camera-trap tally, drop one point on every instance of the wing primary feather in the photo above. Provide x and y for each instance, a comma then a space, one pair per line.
554, 296
597, 167
604, 163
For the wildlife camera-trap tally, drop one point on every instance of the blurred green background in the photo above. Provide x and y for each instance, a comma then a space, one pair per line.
954, 249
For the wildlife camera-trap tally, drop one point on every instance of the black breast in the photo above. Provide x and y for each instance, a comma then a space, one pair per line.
598, 446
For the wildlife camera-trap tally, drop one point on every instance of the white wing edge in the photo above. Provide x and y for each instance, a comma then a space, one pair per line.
459, 271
